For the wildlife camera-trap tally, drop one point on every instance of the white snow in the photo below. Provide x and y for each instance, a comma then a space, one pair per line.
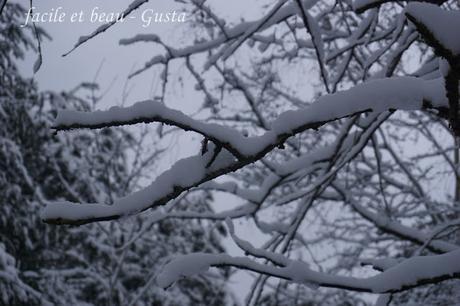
359, 5
186, 266
104, 27
409, 272
443, 24
405, 93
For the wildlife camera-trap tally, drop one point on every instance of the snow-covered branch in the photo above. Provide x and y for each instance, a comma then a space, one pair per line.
410, 273
404, 93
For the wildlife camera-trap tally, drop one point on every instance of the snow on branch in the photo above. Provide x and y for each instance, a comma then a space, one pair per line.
360, 6
407, 233
183, 175
439, 27
150, 111
251, 30
405, 93
250, 249
231, 38
410, 273
313, 28
83, 39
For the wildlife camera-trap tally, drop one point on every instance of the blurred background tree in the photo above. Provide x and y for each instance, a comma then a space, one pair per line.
100, 264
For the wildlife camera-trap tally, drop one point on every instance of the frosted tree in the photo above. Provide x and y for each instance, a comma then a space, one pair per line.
363, 172
110, 264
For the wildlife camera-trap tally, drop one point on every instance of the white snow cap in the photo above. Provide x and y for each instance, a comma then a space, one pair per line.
442, 24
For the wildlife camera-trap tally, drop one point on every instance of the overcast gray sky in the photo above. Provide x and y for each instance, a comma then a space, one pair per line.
81, 65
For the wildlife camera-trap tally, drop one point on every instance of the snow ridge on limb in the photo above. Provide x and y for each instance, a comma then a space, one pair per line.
360, 6
83, 39
410, 273
312, 27
183, 175
439, 27
229, 38
250, 31
150, 111
404, 93
398, 229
